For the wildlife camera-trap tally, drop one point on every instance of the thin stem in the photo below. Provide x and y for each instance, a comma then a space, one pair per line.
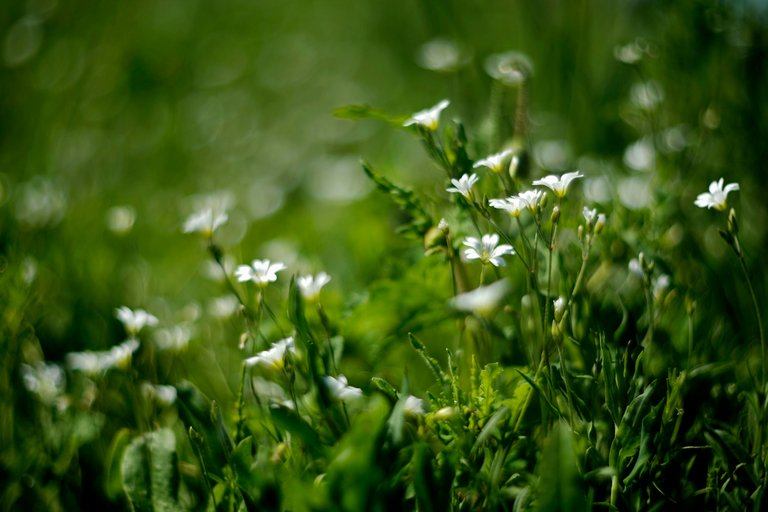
743, 265
240, 405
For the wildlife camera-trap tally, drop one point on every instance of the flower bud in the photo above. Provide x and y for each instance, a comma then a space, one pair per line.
599, 223
555, 214
733, 225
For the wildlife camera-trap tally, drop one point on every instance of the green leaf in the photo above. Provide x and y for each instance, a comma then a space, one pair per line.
150, 472
432, 363
560, 487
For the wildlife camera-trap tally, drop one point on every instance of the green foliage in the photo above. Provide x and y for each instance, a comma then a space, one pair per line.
150, 472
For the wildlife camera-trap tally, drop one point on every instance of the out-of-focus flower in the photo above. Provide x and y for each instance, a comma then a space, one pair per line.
47, 381
636, 268
483, 300
559, 308
513, 205
134, 321
442, 55
413, 406
173, 339
205, 222
717, 195
163, 395
510, 68
494, 162
558, 184
340, 388
310, 286
531, 198
589, 215
428, 118
463, 185
487, 250
260, 272
93, 363
660, 286
274, 357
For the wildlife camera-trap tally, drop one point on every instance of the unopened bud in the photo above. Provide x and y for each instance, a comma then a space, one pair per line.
580, 232
555, 214
733, 225
599, 223
513, 163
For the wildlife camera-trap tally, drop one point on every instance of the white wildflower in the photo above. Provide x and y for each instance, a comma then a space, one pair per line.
428, 118
205, 222
531, 198
47, 381
173, 339
93, 363
558, 184
494, 162
413, 406
513, 205
340, 388
717, 195
134, 321
274, 357
463, 185
483, 300
487, 250
310, 286
260, 272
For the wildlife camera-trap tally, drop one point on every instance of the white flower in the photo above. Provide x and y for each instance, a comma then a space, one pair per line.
494, 162
716, 197
589, 215
531, 198
558, 184
47, 381
413, 406
260, 272
163, 395
487, 249
427, 118
134, 321
310, 286
174, 339
274, 357
513, 205
636, 268
660, 285
559, 306
600, 224
340, 388
463, 185
483, 300
205, 222
94, 363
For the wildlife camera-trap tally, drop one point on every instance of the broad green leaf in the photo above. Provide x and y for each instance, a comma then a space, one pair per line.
560, 488
150, 472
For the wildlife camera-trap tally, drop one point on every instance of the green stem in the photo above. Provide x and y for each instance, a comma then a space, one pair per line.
743, 265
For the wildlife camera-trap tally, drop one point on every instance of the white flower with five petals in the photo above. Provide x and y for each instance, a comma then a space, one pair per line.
274, 357
717, 195
260, 272
310, 286
531, 198
513, 205
487, 250
463, 185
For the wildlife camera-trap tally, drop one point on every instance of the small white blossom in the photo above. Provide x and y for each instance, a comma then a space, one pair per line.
559, 306
600, 224
589, 215
483, 300
310, 286
274, 357
558, 184
531, 198
340, 388
513, 205
413, 406
260, 272
494, 162
428, 118
173, 339
47, 381
463, 185
636, 268
93, 363
205, 222
487, 249
660, 286
163, 395
716, 197
134, 321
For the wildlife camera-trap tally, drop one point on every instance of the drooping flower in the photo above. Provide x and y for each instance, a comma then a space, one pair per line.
310, 286
428, 118
93, 363
463, 185
513, 205
558, 184
483, 300
134, 321
340, 388
260, 272
494, 162
487, 250
205, 222
717, 195
274, 357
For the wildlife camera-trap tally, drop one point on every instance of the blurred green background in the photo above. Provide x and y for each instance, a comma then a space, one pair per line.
118, 119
